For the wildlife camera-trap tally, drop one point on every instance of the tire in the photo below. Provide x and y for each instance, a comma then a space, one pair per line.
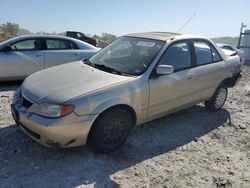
217, 101
111, 129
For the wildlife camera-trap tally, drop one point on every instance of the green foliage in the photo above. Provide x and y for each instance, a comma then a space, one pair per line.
10, 28
13, 29
22, 31
105, 37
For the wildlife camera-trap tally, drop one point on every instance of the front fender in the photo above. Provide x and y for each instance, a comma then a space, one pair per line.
99, 107
131, 95
110, 103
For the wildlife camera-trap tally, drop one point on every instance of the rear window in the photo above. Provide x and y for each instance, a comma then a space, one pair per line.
57, 44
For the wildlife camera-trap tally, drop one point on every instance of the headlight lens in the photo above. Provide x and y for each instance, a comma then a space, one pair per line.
54, 110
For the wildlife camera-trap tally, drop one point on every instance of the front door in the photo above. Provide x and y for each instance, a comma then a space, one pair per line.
25, 58
169, 93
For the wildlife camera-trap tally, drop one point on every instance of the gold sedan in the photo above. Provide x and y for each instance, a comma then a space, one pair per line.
137, 78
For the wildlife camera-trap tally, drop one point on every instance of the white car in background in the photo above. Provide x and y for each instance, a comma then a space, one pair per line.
22, 56
239, 52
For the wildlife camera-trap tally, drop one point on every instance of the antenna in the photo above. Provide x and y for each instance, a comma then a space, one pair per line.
187, 22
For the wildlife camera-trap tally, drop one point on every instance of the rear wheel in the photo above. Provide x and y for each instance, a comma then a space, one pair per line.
217, 101
111, 129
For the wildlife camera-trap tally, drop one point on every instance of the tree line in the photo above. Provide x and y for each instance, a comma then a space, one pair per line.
9, 30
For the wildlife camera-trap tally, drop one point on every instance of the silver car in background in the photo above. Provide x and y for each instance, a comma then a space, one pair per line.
22, 56
137, 78
239, 52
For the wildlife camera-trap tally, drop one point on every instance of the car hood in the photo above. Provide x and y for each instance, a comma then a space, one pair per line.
61, 83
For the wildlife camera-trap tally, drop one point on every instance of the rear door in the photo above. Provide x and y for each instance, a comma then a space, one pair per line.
171, 92
60, 51
26, 57
209, 69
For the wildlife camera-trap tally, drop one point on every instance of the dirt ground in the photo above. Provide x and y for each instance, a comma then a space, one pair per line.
190, 148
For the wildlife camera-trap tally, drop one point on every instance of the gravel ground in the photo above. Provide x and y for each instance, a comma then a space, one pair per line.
190, 148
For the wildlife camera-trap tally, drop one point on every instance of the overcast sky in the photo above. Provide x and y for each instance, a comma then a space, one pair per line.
213, 18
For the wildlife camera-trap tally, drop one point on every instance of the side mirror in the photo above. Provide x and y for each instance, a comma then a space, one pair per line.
164, 69
6, 49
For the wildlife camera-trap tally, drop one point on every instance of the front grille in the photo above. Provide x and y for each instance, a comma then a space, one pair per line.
30, 132
26, 103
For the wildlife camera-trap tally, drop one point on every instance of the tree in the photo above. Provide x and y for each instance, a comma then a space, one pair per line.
105, 37
10, 28
22, 31
108, 37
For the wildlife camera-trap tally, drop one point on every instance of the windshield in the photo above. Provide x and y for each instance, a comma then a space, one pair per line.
128, 55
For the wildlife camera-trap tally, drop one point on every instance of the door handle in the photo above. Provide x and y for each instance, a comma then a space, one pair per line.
190, 75
76, 53
38, 55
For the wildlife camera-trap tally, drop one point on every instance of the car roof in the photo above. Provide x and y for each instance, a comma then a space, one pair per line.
165, 36
23, 37
42, 36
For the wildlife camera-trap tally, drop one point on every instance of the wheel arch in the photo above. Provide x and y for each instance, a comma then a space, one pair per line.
225, 82
124, 106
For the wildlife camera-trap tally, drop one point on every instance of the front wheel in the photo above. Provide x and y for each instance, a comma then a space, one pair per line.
217, 101
111, 129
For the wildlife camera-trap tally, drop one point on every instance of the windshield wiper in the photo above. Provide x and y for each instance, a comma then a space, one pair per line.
101, 67
87, 62
107, 69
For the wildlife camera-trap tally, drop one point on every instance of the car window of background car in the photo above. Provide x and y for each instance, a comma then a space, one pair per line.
178, 55
31, 44
56, 44
129, 55
227, 48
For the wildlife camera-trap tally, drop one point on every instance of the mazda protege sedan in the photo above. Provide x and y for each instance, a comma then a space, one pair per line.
137, 78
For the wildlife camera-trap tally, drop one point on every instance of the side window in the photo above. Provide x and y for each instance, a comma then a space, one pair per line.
178, 55
57, 44
31, 44
73, 45
202, 52
215, 55
78, 35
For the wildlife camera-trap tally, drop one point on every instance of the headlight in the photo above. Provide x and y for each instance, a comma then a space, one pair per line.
54, 110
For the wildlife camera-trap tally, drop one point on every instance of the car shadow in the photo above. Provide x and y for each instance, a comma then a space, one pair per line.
29, 163
10, 85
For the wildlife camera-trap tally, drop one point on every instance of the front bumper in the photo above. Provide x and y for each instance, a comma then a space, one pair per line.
67, 131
